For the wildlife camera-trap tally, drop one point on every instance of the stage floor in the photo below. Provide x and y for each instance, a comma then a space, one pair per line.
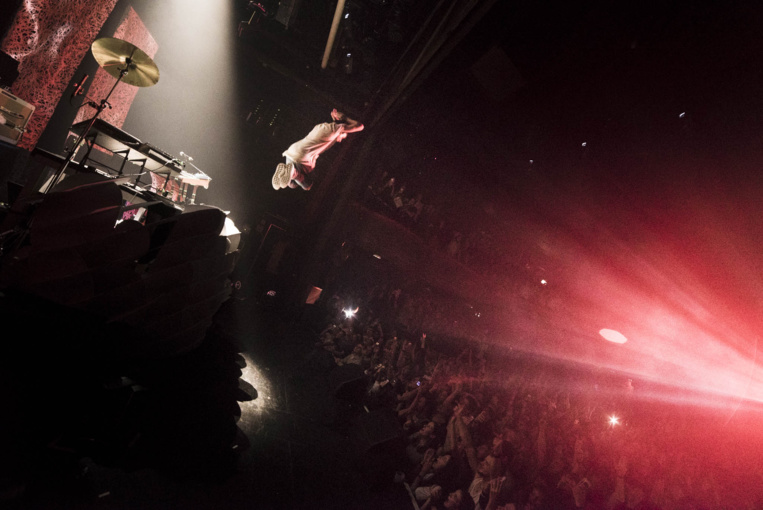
303, 449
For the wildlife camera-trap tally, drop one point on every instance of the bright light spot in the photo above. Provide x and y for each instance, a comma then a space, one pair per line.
347, 15
614, 420
584, 144
682, 115
531, 161
271, 293
543, 282
349, 54
350, 313
613, 336
377, 256
252, 408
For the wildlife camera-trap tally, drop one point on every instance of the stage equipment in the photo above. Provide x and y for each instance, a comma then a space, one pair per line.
139, 70
258, 13
195, 179
125, 62
145, 155
79, 87
14, 117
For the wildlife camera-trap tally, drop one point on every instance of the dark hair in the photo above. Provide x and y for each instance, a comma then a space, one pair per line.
448, 475
467, 503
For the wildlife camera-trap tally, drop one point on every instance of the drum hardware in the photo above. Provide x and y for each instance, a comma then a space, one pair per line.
123, 61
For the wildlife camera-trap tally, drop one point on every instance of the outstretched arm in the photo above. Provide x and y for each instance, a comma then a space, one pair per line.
462, 431
353, 126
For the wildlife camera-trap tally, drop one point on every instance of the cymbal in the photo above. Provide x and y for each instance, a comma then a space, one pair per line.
113, 55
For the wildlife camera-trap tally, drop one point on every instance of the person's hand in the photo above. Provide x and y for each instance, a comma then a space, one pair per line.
429, 454
436, 492
496, 484
580, 491
622, 467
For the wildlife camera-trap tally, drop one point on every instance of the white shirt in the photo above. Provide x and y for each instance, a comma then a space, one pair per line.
476, 488
319, 139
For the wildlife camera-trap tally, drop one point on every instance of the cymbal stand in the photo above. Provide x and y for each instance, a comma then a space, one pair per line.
99, 109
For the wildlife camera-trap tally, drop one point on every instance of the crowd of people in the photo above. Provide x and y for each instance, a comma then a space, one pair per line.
520, 433
473, 247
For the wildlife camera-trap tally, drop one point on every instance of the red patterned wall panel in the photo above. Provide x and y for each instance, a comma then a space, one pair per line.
132, 30
49, 39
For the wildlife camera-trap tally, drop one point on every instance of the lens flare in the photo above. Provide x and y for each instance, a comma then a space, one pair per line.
613, 336
677, 269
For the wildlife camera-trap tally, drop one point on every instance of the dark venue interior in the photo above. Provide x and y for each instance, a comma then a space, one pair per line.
530, 276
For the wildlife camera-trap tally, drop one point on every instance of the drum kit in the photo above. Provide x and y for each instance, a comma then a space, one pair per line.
123, 61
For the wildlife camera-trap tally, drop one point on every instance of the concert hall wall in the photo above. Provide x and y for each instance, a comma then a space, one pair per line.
49, 39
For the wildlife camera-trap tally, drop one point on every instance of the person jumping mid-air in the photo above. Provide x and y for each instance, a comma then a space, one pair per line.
301, 156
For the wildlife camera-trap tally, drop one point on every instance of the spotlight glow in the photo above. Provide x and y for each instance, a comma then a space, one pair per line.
613, 336
252, 410
671, 258
686, 289
614, 420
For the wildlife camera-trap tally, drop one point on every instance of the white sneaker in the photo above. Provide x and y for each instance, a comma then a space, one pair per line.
282, 175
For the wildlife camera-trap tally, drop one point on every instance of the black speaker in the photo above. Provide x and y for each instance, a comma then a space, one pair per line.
13, 171
9, 70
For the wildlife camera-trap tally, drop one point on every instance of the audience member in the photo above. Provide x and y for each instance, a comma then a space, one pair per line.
484, 436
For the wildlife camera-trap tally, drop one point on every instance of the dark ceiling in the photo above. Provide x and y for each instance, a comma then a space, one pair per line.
539, 107
526, 80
